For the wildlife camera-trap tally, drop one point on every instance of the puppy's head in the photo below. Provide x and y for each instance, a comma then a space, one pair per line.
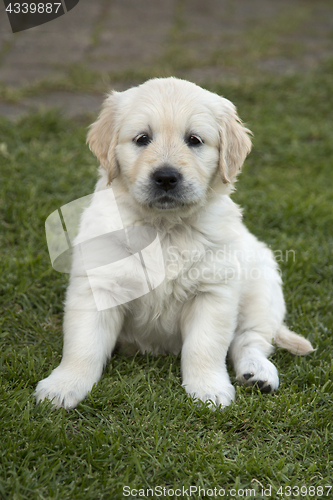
169, 142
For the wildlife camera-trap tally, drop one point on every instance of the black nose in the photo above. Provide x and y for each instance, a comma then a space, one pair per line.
166, 178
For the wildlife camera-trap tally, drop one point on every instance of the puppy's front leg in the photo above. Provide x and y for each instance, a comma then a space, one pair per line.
208, 324
89, 338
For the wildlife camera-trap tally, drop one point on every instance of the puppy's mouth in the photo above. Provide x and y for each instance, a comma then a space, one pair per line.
166, 189
166, 202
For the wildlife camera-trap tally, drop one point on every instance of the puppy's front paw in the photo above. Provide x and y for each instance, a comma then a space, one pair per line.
217, 394
259, 372
63, 388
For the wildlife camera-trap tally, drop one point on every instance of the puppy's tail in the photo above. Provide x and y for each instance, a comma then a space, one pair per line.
296, 344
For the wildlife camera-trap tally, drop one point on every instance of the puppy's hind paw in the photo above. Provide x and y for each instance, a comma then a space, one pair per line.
260, 373
262, 385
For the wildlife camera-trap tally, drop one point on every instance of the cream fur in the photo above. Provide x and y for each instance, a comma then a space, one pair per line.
222, 290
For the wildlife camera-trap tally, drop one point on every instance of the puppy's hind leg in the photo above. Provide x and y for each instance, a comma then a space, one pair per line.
248, 353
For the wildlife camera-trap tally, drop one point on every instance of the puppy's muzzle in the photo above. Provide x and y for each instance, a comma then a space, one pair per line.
166, 178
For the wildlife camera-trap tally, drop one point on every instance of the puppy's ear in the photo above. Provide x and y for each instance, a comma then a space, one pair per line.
103, 136
235, 143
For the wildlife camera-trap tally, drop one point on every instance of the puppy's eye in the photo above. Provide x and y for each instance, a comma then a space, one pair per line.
194, 140
142, 140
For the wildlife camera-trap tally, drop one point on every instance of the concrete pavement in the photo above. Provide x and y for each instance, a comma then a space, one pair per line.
70, 62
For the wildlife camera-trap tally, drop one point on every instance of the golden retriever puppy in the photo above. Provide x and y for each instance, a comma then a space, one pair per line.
170, 152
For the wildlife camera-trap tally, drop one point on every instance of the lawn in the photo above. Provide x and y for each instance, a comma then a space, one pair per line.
138, 429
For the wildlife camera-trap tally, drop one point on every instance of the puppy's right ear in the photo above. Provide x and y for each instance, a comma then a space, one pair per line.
103, 136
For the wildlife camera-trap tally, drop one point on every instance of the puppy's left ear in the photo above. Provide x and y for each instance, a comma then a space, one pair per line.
235, 143
103, 136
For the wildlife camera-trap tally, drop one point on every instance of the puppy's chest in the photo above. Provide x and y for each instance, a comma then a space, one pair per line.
161, 309
154, 322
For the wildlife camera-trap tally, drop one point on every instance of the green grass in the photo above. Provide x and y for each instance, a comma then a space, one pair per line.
137, 427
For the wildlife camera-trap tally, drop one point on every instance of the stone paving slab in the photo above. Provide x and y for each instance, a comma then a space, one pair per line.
69, 104
35, 53
210, 39
134, 34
